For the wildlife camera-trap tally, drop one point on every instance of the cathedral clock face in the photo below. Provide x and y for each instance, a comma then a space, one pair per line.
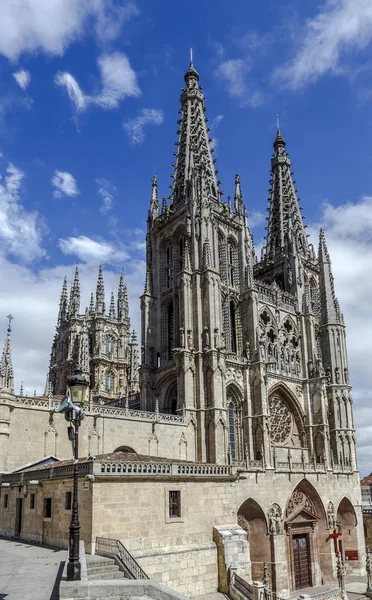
281, 421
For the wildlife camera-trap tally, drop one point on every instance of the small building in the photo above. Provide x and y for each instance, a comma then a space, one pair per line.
366, 487
186, 523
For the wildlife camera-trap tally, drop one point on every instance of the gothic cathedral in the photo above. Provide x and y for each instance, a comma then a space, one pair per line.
253, 350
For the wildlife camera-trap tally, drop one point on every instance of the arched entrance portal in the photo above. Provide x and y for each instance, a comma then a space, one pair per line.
251, 518
309, 554
347, 523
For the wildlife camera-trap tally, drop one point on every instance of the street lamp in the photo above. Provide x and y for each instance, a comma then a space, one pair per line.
72, 406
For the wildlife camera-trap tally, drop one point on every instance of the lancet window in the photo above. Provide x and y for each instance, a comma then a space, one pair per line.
234, 414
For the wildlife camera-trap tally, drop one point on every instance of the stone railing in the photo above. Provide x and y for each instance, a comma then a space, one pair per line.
102, 410
121, 468
278, 296
161, 468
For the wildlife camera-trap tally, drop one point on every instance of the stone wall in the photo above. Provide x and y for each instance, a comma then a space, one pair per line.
36, 527
44, 433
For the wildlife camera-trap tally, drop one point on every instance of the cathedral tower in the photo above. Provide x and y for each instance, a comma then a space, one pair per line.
100, 343
253, 351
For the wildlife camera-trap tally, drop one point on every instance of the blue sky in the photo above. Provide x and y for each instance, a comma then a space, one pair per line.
89, 94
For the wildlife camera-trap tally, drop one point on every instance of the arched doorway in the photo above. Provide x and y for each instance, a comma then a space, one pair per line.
347, 523
309, 554
252, 518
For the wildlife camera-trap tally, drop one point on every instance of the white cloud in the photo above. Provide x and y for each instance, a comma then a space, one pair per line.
232, 72
105, 190
65, 184
350, 249
20, 231
23, 78
76, 95
51, 26
341, 27
118, 81
134, 128
90, 251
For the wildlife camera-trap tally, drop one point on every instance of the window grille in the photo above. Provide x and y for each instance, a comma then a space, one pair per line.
174, 504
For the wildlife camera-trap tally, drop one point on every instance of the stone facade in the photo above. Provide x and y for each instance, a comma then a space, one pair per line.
100, 343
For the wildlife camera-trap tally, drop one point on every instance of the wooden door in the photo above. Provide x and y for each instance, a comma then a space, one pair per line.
301, 566
18, 523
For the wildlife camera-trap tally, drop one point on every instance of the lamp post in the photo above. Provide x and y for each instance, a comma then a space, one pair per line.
72, 406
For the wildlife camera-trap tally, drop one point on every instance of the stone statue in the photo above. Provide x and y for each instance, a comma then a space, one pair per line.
190, 339
182, 337
337, 374
206, 337
216, 337
275, 520
188, 225
248, 350
331, 517
310, 367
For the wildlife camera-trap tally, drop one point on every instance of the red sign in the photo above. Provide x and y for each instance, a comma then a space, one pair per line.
351, 555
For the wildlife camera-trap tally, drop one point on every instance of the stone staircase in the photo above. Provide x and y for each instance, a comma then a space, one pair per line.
99, 568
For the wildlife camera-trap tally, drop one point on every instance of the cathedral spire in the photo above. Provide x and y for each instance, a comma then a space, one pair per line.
285, 221
100, 293
154, 204
91, 305
329, 305
123, 307
74, 306
238, 196
112, 314
193, 145
6, 365
63, 306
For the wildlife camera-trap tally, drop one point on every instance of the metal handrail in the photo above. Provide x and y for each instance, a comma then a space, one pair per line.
115, 549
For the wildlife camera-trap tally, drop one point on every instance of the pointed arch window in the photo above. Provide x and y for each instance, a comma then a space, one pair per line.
109, 382
233, 327
232, 438
168, 267
170, 330
230, 258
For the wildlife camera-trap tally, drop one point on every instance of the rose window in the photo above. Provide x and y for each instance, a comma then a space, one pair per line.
281, 420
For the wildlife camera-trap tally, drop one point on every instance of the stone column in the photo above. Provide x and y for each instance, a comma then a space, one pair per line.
4, 436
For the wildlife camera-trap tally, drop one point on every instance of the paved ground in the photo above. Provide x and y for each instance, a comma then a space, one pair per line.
29, 572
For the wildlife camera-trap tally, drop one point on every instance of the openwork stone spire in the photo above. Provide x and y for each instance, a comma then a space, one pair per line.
154, 204
63, 304
6, 365
100, 293
238, 196
285, 221
330, 308
193, 146
74, 306
123, 306
112, 306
